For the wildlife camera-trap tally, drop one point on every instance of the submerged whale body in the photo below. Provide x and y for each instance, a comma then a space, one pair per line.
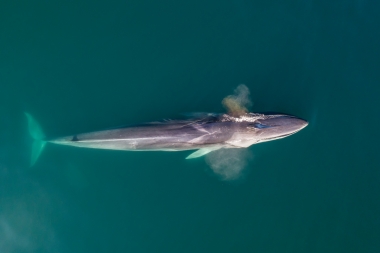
204, 133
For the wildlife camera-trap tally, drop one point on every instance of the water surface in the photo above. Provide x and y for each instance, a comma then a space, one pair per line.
87, 65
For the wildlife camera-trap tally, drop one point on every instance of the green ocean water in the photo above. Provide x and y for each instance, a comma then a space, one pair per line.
80, 66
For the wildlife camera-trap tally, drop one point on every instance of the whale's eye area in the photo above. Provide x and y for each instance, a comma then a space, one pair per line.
259, 126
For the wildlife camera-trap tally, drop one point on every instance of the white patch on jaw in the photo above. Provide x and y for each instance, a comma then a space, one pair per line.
241, 140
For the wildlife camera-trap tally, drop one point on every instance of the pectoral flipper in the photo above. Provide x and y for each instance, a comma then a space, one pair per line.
201, 152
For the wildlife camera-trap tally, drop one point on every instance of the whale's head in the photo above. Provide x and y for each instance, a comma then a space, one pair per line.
271, 127
255, 128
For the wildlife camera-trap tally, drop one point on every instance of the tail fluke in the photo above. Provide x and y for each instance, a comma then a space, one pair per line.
38, 136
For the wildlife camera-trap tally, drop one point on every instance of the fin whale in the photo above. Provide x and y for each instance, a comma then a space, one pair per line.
205, 133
